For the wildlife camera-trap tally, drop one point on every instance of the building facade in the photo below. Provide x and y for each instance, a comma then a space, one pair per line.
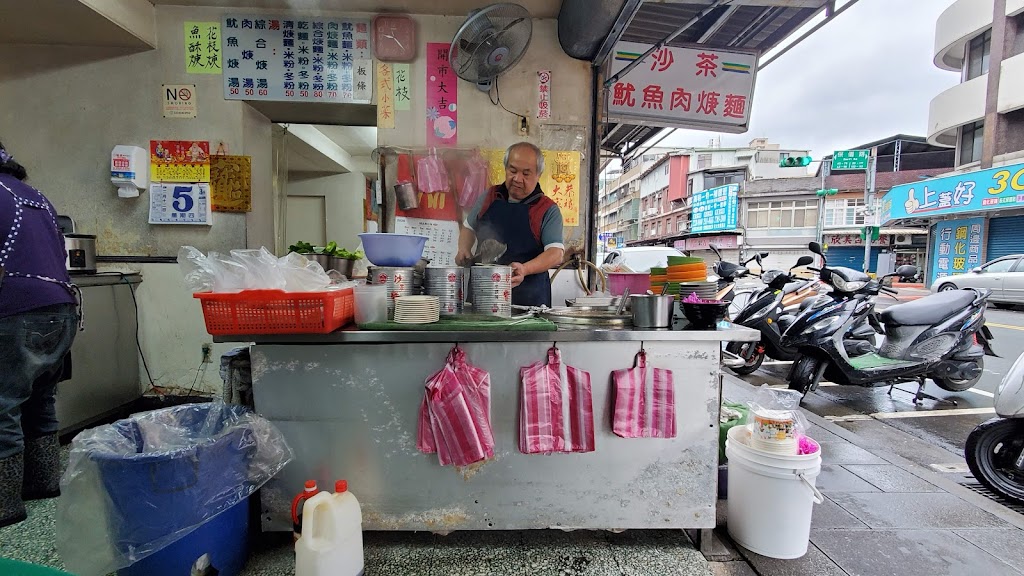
975, 213
618, 220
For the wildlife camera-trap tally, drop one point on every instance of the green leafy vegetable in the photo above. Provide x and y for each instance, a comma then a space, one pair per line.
331, 249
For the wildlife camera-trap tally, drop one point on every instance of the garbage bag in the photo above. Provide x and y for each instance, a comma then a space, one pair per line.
135, 486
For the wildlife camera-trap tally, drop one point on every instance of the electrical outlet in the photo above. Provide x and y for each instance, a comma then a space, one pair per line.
524, 126
207, 353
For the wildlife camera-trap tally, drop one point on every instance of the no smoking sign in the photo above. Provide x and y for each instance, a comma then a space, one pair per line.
179, 100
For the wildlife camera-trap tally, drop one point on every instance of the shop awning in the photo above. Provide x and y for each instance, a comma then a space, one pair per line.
752, 25
883, 230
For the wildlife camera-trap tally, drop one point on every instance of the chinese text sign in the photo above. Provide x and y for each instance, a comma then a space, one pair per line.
957, 247
560, 180
402, 86
715, 209
179, 161
297, 58
385, 96
851, 160
544, 95
202, 48
992, 189
683, 87
442, 97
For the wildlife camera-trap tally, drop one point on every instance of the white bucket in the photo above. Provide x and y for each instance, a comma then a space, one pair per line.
771, 497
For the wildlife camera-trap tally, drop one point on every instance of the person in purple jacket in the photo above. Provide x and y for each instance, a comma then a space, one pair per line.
38, 322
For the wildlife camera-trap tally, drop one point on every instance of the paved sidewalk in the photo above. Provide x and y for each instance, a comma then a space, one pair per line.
884, 514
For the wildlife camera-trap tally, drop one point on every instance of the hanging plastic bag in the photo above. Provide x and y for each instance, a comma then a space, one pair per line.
645, 403
431, 175
196, 268
556, 408
472, 182
454, 419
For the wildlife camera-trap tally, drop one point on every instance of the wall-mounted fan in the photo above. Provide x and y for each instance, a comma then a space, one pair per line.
491, 41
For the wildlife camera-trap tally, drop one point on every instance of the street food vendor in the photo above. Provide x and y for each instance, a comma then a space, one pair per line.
519, 215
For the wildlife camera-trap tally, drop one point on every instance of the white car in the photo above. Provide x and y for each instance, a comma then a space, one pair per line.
1003, 276
641, 258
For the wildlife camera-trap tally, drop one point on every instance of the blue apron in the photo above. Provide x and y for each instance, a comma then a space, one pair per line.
509, 223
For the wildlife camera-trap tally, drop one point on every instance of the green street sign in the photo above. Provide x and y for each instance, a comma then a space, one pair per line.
850, 159
870, 231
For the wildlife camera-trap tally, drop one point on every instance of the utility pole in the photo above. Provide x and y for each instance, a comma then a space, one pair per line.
869, 206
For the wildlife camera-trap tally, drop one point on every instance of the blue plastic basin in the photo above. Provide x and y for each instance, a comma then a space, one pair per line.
401, 250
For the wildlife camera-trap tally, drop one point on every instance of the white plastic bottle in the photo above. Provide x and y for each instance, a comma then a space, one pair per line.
331, 543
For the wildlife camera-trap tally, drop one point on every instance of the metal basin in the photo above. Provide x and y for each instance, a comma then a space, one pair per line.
588, 316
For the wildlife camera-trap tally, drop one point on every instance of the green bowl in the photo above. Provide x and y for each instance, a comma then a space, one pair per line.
680, 260
659, 271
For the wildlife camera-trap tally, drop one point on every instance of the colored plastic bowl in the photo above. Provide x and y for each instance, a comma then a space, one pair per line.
401, 250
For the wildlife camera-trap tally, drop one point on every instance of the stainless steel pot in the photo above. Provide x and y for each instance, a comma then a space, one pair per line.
342, 265
81, 253
652, 311
406, 195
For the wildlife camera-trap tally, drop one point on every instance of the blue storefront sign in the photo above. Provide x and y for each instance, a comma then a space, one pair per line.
715, 209
957, 247
991, 189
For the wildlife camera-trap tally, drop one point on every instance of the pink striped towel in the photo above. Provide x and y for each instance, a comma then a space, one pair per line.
556, 412
454, 419
645, 401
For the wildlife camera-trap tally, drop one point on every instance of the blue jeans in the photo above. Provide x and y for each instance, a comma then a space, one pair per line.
32, 349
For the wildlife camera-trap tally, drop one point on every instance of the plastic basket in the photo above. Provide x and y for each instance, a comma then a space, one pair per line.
277, 311
638, 283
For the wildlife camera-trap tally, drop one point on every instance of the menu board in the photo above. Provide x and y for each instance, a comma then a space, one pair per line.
297, 59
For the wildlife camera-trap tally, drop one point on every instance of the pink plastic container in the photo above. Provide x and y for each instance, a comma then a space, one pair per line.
637, 283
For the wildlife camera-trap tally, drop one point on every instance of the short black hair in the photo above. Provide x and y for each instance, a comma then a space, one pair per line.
9, 166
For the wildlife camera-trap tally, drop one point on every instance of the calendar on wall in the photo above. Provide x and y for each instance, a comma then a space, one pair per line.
442, 237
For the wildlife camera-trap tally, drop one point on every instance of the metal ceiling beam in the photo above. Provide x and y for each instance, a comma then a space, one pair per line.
666, 40
722, 19
780, 3
629, 10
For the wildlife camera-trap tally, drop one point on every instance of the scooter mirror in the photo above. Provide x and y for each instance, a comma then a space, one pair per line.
763, 254
814, 247
803, 261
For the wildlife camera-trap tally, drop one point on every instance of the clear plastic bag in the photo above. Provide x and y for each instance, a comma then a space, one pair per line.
302, 274
431, 175
229, 275
196, 269
775, 421
260, 269
135, 486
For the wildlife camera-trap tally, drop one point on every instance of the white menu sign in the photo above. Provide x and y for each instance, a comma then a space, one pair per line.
297, 58
176, 203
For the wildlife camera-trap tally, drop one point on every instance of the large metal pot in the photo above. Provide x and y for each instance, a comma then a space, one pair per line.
652, 311
343, 265
81, 253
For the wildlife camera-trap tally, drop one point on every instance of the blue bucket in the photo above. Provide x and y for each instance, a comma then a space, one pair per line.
156, 494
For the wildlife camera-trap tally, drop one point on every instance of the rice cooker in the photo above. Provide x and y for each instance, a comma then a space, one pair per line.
81, 257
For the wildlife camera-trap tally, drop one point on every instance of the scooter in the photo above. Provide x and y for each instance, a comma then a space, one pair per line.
726, 274
769, 311
942, 336
995, 449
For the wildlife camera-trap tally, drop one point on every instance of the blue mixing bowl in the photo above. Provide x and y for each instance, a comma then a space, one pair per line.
401, 250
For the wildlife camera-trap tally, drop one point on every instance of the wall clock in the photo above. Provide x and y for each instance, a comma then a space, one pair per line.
394, 38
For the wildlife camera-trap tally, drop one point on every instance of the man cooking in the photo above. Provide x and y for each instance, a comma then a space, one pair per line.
519, 215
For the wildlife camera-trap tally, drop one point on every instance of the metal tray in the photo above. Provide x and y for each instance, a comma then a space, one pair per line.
588, 316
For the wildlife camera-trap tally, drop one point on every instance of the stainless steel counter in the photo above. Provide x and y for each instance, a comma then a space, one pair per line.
680, 333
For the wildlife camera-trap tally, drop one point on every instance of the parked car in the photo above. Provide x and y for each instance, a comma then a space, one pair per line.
641, 258
1003, 276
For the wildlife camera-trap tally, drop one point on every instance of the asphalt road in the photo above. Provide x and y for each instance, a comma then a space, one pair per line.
940, 425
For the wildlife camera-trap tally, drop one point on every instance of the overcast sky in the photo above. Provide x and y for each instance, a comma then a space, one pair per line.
864, 76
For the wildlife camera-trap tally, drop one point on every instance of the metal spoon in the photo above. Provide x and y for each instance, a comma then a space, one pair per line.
622, 302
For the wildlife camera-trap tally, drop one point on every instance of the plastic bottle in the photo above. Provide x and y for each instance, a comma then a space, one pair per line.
308, 492
331, 543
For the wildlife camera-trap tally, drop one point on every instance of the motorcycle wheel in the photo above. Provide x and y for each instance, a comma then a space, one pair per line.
807, 371
955, 385
738, 303
990, 452
753, 363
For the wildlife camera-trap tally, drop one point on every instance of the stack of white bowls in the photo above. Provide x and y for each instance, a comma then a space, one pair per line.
417, 309
448, 284
399, 282
490, 288
774, 431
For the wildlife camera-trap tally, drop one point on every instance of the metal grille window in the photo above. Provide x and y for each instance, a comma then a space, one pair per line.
782, 214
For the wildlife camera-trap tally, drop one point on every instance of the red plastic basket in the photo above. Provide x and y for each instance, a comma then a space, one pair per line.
277, 311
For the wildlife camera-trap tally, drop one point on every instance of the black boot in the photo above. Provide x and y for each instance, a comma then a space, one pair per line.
12, 509
42, 468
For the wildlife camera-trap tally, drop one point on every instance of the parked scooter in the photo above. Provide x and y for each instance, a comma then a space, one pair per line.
995, 449
941, 336
726, 274
767, 313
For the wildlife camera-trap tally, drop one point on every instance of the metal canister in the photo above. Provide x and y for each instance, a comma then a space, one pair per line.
400, 282
448, 284
490, 289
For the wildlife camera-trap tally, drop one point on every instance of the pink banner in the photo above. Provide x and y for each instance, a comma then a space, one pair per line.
442, 97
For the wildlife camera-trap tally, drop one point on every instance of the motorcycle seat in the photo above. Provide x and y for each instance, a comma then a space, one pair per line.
730, 271
928, 310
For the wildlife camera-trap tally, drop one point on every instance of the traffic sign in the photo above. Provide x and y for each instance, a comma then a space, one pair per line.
850, 159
